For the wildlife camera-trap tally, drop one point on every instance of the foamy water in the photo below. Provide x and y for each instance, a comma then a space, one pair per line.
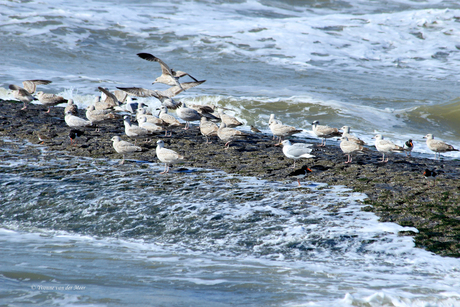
90, 226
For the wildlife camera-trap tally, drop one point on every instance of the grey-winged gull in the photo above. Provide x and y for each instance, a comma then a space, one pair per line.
386, 147
297, 150
123, 147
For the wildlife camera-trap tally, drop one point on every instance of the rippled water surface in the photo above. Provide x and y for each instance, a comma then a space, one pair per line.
83, 231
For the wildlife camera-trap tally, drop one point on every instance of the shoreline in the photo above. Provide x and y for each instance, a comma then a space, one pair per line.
397, 191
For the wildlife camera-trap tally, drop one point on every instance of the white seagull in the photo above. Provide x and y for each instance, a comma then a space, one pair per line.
297, 150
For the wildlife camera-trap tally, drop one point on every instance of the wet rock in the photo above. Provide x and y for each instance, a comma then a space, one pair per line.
397, 190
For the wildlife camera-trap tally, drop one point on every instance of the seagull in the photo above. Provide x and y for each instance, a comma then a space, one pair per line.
208, 129
71, 107
74, 134
134, 130
408, 146
431, 175
169, 120
97, 116
25, 94
351, 138
168, 75
229, 134
324, 132
297, 150
386, 147
349, 147
437, 146
123, 147
153, 128
279, 130
76, 122
229, 120
167, 156
165, 97
187, 115
300, 173
50, 100
106, 101
141, 112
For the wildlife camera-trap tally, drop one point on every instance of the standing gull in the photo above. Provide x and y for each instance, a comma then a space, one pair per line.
169, 120
280, 131
141, 112
208, 129
386, 147
324, 132
229, 134
168, 75
229, 120
25, 94
167, 156
123, 147
50, 100
76, 122
71, 107
187, 115
351, 138
133, 130
297, 150
349, 147
98, 116
437, 146
153, 128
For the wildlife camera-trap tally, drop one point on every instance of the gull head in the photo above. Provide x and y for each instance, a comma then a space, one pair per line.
429, 136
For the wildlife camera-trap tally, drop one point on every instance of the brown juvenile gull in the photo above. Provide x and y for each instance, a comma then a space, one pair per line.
31, 85
165, 97
296, 151
22, 95
107, 101
324, 132
71, 107
50, 100
25, 94
167, 156
280, 131
169, 120
98, 116
123, 147
386, 147
351, 138
229, 120
437, 146
168, 75
187, 115
208, 128
153, 128
349, 147
229, 134
141, 112
76, 122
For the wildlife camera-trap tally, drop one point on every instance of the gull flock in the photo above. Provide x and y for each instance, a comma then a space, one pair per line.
106, 107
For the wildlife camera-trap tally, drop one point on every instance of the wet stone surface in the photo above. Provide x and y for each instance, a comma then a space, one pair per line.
397, 191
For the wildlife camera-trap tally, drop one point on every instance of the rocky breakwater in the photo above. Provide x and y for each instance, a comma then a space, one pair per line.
397, 191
